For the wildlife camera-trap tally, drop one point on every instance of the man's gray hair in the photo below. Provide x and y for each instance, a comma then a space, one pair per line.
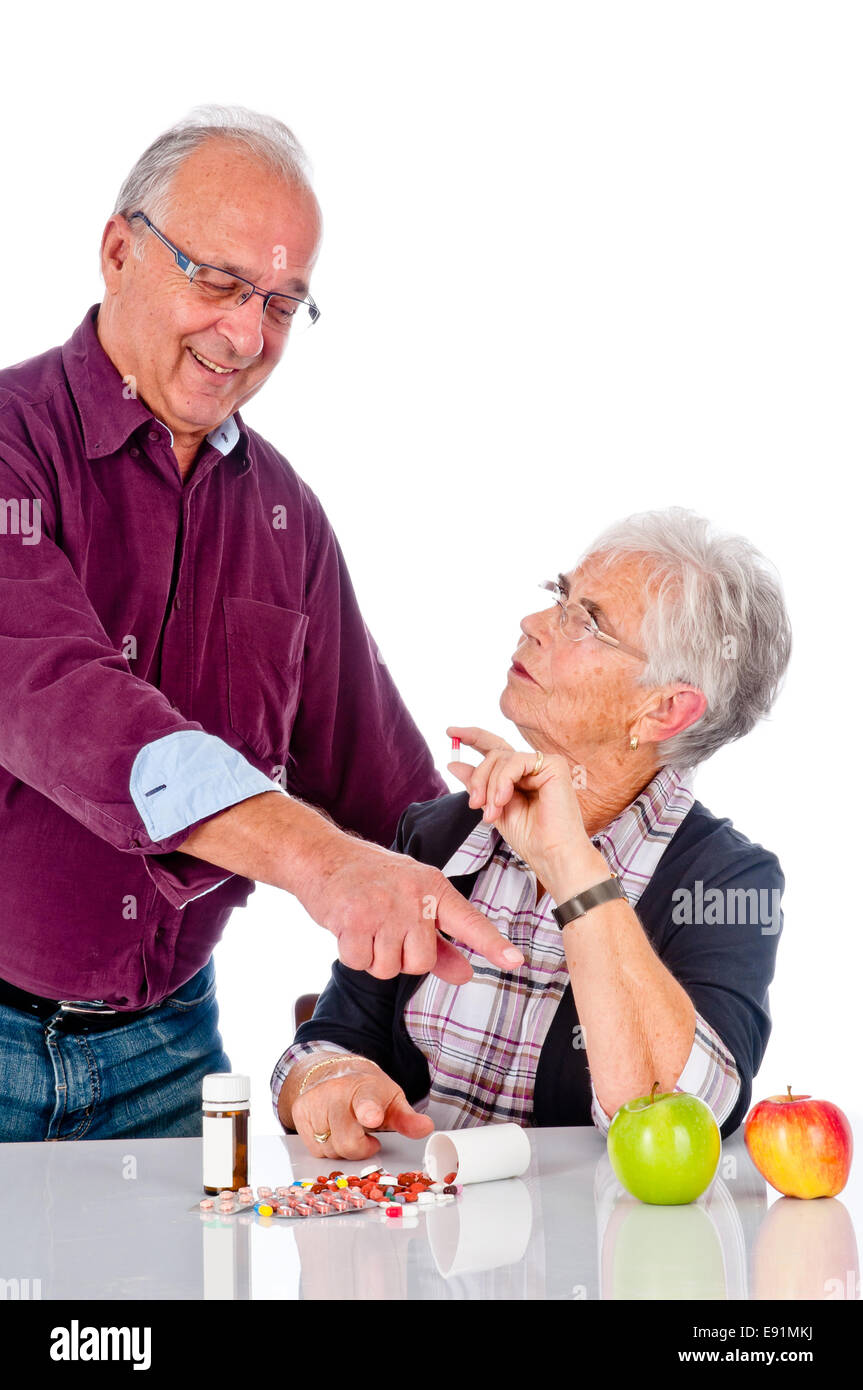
715, 619
147, 187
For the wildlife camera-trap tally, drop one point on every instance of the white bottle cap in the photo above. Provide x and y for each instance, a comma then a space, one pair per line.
223, 1088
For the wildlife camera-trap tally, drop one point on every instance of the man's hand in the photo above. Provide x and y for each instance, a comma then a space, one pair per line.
385, 909
347, 1107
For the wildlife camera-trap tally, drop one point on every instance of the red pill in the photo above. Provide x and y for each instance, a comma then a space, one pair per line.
411, 1196
450, 1177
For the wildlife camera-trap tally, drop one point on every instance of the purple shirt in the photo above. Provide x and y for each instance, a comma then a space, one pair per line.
166, 651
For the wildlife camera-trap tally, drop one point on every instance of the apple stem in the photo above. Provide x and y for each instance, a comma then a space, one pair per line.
655, 1087
790, 1097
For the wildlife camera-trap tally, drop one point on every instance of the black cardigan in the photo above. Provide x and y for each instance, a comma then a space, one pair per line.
725, 969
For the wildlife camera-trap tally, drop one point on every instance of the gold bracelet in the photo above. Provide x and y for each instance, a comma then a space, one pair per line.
341, 1057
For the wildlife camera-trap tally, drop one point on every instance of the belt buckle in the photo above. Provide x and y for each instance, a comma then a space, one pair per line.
85, 1006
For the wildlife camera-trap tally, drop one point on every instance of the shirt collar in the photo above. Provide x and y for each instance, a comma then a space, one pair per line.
225, 436
107, 405
632, 844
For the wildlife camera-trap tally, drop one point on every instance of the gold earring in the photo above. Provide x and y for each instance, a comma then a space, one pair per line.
633, 742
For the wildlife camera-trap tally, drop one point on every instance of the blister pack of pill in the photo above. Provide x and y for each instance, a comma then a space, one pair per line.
336, 1194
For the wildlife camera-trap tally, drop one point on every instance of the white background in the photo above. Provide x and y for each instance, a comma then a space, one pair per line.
580, 260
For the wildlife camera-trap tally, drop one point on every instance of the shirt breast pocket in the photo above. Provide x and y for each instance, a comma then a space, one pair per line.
265, 646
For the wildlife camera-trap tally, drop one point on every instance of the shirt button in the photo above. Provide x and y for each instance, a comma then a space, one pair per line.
177, 603
133, 452
154, 434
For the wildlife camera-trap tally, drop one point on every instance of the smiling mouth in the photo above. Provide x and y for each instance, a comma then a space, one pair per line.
212, 366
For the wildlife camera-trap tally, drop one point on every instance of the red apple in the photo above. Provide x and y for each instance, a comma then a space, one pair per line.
802, 1146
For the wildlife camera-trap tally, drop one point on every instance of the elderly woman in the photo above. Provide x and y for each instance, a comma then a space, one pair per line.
648, 925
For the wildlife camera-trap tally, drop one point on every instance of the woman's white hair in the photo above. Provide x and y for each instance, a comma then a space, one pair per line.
147, 187
715, 619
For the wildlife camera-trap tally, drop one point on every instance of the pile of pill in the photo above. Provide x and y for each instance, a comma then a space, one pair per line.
393, 1191
337, 1193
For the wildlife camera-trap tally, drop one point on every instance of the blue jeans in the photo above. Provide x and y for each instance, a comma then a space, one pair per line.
140, 1080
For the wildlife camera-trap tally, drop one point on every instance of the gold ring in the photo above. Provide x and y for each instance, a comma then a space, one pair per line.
537, 767
322, 1138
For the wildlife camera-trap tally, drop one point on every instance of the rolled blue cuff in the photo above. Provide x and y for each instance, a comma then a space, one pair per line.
187, 776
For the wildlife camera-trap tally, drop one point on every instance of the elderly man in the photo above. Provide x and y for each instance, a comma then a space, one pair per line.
178, 628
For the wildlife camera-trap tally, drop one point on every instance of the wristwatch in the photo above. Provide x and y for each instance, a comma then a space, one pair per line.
576, 907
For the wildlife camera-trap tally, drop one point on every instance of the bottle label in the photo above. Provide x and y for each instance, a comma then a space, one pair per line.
218, 1151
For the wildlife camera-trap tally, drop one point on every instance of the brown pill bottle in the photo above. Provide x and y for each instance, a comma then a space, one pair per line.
226, 1131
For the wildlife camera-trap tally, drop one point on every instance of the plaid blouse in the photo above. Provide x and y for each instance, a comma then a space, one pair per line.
483, 1040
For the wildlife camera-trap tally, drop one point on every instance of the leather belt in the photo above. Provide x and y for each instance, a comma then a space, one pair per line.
74, 1015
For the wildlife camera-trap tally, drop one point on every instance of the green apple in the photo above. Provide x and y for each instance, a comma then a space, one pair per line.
665, 1148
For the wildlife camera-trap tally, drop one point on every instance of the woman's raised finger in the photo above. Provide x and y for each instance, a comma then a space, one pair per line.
482, 773
480, 739
516, 768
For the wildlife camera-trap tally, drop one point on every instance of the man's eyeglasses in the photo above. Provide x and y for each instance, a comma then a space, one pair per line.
577, 622
283, 312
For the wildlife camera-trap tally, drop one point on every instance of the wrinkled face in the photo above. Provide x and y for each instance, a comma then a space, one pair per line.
580, 697
229, 211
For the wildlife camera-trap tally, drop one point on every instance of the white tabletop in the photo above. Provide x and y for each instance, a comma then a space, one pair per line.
114, 1220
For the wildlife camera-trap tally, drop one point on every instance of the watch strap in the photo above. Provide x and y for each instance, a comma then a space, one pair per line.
576, 907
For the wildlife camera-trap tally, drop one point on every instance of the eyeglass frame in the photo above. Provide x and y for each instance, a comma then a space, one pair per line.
190, 268
594, 630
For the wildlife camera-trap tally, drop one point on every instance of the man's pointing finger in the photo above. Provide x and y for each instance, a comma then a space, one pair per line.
463, 923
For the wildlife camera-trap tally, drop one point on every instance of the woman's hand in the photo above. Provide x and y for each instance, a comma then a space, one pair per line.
538, 815
346, 1107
